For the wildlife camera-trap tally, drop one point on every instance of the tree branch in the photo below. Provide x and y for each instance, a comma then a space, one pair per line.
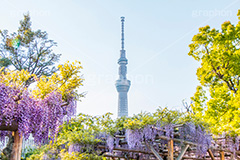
232, 86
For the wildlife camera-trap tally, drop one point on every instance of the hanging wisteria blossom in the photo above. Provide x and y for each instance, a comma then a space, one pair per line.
41, 117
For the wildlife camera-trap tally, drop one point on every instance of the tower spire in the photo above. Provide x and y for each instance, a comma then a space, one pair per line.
122, 84
122, 20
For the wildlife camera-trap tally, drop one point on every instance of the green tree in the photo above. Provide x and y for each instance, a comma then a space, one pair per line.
219, 75
28, 49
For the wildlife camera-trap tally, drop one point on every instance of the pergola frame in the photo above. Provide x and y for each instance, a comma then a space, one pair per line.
187, 151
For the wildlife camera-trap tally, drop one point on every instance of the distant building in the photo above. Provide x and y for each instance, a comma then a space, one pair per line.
122, 84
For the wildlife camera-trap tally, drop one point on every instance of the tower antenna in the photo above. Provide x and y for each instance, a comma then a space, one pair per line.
122, 20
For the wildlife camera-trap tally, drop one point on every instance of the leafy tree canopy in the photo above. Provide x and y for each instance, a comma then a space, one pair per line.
218, 51
28, 49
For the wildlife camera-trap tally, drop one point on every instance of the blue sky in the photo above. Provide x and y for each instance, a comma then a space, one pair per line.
157, 35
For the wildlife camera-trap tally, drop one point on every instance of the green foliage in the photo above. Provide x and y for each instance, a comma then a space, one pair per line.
29, 152
5, 62
3, 157
80, 130
80, 156
219, 74
163, 115
84, 129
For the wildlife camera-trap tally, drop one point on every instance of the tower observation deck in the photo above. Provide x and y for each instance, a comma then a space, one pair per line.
122, 84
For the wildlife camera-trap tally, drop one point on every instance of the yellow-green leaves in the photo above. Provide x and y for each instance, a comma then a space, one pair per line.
15, 78
65, 81
198, 100
219, 54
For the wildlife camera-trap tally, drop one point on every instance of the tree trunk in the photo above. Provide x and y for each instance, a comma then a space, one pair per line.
17, 146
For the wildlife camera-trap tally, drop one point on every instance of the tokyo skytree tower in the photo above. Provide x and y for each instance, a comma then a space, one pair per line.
122, 84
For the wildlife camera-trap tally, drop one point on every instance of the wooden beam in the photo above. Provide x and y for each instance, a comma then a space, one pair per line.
167, 138
126, 149
180, 156
178, 140
12, 127
139, 151
222, 155
225, 150
211, 154
120, 136
153, 151
115, 156
170, 149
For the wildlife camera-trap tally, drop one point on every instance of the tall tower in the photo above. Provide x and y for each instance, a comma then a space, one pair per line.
122, 84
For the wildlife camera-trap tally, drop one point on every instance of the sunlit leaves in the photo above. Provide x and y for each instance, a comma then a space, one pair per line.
219, 74
65, 81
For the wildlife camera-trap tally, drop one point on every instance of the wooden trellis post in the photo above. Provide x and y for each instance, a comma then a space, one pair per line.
153, 151
211, 154
222, 155
170, 149
17, 146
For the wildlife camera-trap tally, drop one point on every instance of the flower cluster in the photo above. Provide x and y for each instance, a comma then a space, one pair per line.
39, 117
